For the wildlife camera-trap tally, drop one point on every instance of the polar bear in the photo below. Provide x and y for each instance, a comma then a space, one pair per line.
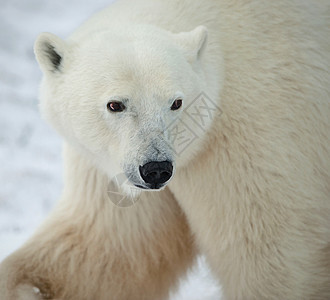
247, 84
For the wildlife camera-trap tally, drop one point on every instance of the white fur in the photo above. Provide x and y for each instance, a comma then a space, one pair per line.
252, 192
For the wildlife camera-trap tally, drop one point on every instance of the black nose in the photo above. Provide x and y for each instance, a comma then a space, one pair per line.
156, 172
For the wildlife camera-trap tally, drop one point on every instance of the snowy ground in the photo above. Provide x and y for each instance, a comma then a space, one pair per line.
30, 152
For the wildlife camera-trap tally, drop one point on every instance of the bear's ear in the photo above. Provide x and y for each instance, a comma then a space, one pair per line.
50, 51
193, 43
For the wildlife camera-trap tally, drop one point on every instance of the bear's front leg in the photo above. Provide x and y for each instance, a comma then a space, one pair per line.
139, 256
91, 249
259, 240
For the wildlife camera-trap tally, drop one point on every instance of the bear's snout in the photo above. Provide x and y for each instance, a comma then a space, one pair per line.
156, 173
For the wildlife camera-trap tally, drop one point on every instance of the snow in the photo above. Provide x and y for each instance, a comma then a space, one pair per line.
30, 151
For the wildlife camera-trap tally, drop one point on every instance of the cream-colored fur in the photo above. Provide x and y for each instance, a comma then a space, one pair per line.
90, 249
253, 193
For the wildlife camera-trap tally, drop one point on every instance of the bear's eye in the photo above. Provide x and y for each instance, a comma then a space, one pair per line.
116, 106
176, 104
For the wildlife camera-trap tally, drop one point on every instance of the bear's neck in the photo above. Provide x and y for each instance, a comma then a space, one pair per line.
84, 184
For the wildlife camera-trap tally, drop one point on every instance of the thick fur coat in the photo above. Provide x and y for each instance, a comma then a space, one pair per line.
252, 193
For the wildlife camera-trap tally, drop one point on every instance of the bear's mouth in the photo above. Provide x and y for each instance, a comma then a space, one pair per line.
151, 186
140, 186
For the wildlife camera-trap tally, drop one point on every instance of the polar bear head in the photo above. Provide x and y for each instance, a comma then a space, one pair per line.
118, 95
